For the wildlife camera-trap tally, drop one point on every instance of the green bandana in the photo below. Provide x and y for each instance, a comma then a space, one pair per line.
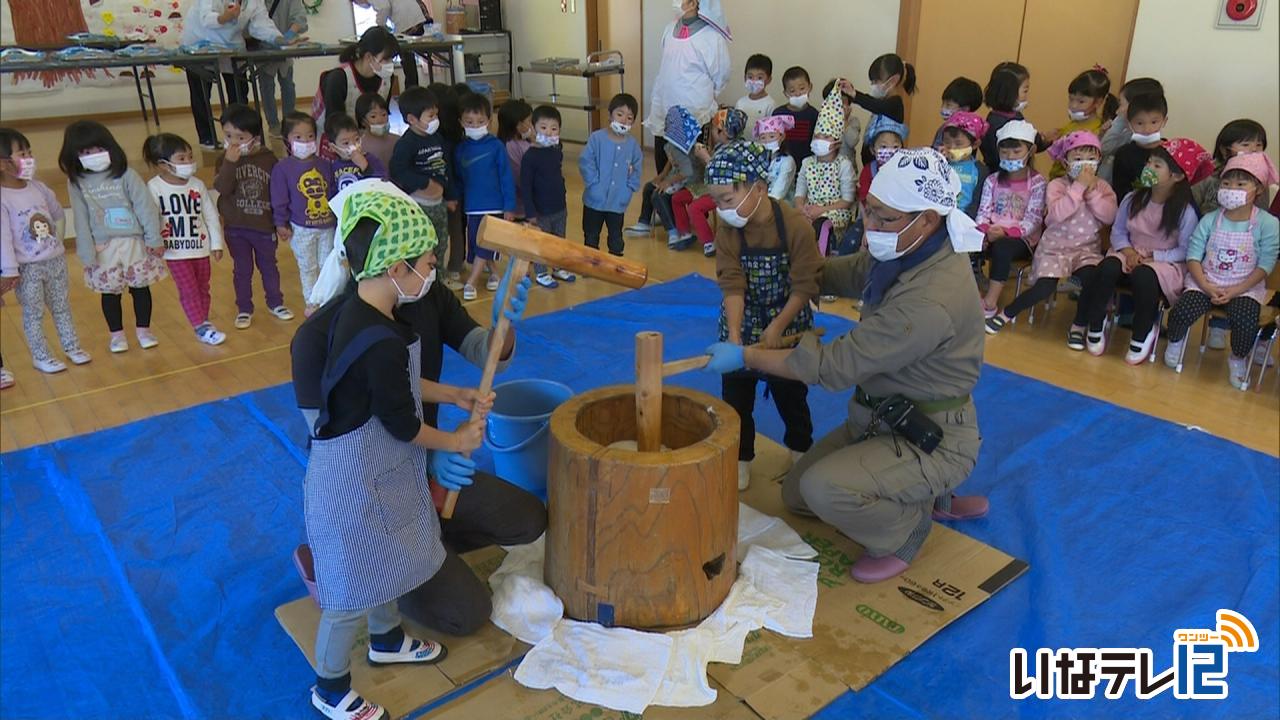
405, 232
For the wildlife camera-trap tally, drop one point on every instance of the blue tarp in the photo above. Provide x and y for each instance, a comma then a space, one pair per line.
141, 564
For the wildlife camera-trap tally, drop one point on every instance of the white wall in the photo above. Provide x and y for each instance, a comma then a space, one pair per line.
1210, 76
540, 30
333, 21
829, 39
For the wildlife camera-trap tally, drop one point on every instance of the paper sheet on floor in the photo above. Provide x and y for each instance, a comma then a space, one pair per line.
629, 670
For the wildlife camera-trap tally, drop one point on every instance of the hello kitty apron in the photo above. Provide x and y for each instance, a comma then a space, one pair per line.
1229, 257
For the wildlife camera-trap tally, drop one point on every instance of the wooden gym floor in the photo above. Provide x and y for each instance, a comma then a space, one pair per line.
181, 372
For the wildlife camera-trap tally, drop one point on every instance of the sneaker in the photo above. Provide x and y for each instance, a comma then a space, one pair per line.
282, 313
492, 283
1138, 351
350, 707
1238, 372
867, 569
964, 507
1173, 353
1217, 338
454, 275
453, 284
146, 338
565, 275
118, 342
6, 379
49, 365
1075, 338
1262, 357
744, 474
469, 292
243, 321
681, 243
79, 357
209, 335
709, 249
546, 281
996, 323
638, 229
411, 650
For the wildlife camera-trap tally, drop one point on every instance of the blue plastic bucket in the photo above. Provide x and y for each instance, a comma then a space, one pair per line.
517, 431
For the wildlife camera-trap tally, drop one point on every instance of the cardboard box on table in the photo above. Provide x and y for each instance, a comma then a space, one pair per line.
859, 631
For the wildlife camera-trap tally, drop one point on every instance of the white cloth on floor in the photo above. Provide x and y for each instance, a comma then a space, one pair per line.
793, 582
757, 529
523, 605
614, 667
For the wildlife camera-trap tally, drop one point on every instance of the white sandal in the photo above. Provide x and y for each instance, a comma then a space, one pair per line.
350, 707
412, 650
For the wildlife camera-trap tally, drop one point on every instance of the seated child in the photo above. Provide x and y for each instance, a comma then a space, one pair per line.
1080, 206
682, 132
725, 127
1011, 212
960, 95
771, 132
824, 185
887, 137
1086, 96
961, 134
852, 125
1147, 117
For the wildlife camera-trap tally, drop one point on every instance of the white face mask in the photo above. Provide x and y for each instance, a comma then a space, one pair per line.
402, 298
798, 101
379, 130
432, 126
345, 151
773, 145
302, 150
1079, 115
733, 218
96, 162
619, 128
246, 147
946, 113
547, 140
1022, 105
476, 133
820, 147
26, 168
182, 170
878, 90
1147, 139
383, 70
1232, 198
1078, 167
884, 245
755, 86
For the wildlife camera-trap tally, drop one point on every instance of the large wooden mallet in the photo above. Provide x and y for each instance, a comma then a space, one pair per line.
527, 245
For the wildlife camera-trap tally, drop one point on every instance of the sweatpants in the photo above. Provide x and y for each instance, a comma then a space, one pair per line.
248, 248
791, 397
192, 278
1045, 288
1242, 315
593, 220
114, 313
1094, 297
554, 224
45, 284
311, 246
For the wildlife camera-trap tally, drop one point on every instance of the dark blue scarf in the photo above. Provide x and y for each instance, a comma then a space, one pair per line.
883, 274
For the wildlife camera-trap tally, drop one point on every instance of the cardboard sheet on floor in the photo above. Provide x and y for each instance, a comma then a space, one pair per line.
403, 689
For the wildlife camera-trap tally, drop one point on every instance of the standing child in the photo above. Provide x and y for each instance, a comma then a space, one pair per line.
1080, 206
692, 203
1011, 212
824, 185
768, 268
797, 86
892, 80
243, 182
757, 103
1147, 115
960, 95
542, 180
351, 162
515, 130
1007, 94
852, 138
611, 167
374, 116
770, 133
300, 191
117, 227
1232, 251
190, 226
1116, 133
32, 256
420, 164
488, 186
1086, 96
1148, 246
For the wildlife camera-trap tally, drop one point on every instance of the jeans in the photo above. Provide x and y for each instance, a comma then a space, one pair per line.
267, 76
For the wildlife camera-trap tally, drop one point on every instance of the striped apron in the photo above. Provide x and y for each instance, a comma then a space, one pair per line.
370, 522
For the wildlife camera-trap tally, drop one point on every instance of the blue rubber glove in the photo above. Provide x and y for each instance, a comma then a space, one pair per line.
725, 358
452, 470
519, 297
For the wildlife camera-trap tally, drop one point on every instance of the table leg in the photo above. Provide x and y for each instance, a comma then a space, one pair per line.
151, 93
142, 101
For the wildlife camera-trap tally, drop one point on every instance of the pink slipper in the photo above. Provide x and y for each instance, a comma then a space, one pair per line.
869, 569
305, 564
964, 507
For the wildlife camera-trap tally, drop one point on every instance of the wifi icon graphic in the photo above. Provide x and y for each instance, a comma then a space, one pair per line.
1236, 632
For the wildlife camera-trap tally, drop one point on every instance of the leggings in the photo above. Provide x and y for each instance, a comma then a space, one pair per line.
1044, 289
1242, 314
112, 311
1002, 253
1144, 284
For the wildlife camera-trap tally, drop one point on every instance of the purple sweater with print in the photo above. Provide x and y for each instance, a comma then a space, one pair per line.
300, 193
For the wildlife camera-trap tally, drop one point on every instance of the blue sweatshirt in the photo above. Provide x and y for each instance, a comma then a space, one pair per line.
485, 176
542, 181
611, 171
419, 159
